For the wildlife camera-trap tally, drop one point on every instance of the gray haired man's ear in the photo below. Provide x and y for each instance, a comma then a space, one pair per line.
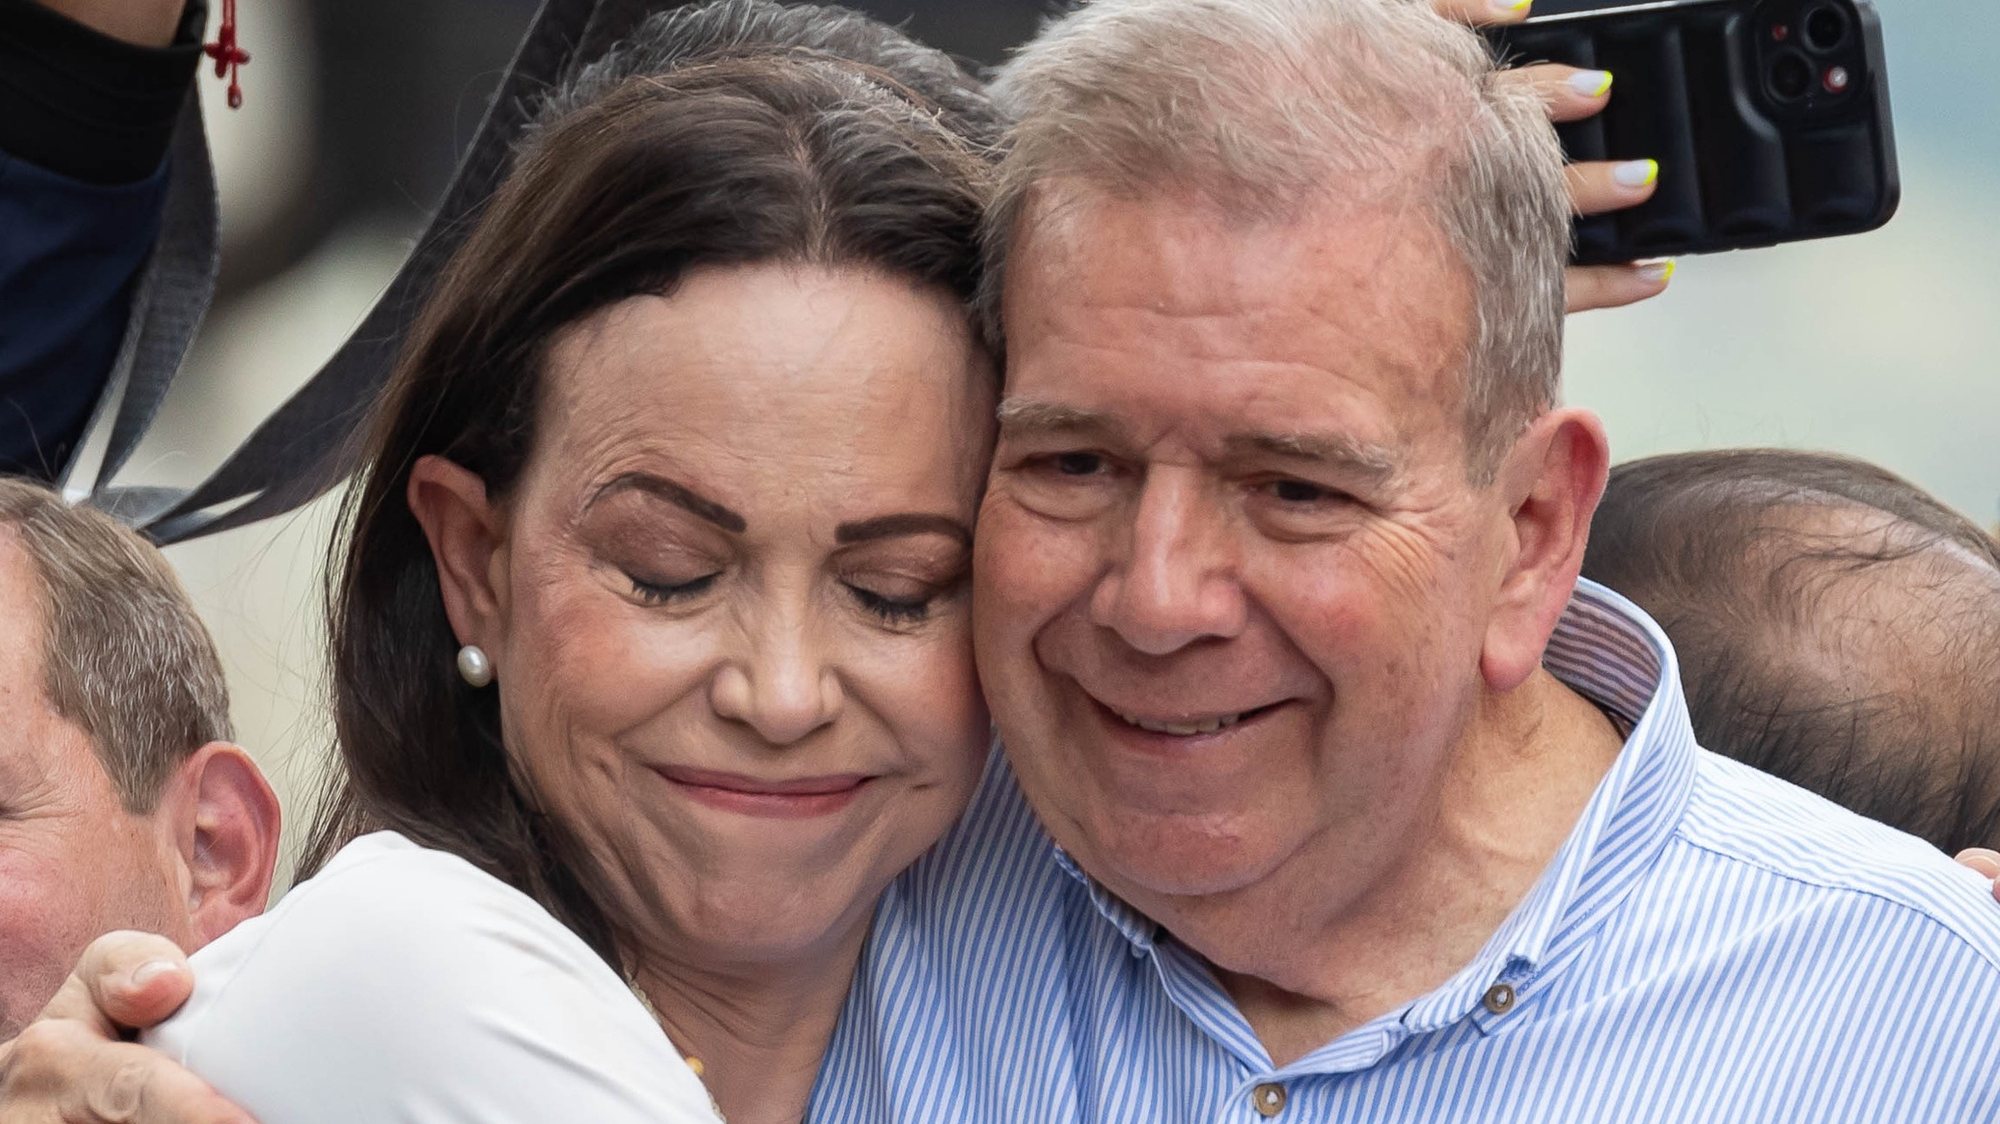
224, 822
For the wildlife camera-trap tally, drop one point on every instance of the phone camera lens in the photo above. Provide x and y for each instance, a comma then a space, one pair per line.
1791, 76
1826, 29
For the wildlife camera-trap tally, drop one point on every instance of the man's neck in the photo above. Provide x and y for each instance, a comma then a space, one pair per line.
1303, 976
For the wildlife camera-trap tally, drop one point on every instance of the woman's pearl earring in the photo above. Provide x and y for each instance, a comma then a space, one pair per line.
473, 666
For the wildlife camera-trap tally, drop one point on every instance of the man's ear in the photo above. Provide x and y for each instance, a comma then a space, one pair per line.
225, 822
467, 542
1551, 481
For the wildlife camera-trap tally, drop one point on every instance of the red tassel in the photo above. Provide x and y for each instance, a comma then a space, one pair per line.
227, 55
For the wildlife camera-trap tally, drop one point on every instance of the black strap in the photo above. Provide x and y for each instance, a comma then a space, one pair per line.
312, 442
168, 305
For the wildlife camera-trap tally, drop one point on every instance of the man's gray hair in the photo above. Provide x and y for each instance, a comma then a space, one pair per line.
1273, 107
124, 655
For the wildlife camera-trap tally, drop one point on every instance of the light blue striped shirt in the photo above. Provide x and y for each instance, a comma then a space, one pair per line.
1710, 944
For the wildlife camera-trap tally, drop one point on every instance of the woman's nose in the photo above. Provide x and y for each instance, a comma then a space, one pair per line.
784, 690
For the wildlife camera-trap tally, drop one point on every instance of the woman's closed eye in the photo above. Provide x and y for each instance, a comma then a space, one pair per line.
893, 610
655, 592
897, 599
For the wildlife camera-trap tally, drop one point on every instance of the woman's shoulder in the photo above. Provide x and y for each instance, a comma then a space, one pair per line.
414, 908
408, 893
402, 975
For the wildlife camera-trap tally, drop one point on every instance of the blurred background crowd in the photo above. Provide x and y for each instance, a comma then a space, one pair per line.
1881, 345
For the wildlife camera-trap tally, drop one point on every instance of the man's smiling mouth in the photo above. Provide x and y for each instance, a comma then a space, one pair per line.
1188, 726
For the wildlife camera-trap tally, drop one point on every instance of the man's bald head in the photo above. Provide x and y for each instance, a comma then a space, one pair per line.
1836, 626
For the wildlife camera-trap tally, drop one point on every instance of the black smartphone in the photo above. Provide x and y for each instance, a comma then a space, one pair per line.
1770, 120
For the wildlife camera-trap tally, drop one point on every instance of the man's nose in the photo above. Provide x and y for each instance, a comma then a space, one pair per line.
1176, 582
784, 687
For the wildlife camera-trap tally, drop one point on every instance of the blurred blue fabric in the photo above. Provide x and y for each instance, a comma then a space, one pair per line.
69, 254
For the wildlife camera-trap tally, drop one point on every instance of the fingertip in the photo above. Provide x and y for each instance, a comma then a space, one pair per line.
1486, 13
1636, 175
1659, 273
155, 988
136, 979
1984, 861
1615, 286
1594, 84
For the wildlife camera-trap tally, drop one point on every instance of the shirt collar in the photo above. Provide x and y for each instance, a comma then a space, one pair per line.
1139, 930
1609, 651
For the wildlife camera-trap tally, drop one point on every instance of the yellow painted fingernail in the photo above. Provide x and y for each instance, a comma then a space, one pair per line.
1659, 272
1512, 6
1636, 173
1591, 83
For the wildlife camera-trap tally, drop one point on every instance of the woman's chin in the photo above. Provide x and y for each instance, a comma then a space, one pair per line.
773, 918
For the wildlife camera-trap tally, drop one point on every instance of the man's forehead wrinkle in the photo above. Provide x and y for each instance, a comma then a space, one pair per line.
1238, 327
1348, 317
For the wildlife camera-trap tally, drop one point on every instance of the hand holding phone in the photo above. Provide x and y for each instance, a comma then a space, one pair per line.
1769, 120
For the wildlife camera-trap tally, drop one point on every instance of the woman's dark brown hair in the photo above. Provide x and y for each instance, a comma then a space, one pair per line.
731, 133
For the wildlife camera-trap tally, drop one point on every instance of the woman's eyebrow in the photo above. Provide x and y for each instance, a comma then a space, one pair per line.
908, 523
676, 493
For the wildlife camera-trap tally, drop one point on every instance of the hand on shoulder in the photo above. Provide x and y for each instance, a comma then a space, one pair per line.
71, 1065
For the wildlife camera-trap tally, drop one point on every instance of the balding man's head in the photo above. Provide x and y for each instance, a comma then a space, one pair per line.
1836, 626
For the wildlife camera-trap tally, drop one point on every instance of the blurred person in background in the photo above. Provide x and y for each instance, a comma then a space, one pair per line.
90, 93
123, 804
1837, 626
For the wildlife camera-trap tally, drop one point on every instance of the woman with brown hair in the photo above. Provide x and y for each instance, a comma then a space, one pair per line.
651, 662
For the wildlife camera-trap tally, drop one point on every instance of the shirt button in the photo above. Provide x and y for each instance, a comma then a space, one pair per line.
1500, 998
1269, 1100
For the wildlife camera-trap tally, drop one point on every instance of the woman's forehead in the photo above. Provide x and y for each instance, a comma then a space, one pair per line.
774, 378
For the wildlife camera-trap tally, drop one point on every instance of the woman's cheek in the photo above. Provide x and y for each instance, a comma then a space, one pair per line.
942, 698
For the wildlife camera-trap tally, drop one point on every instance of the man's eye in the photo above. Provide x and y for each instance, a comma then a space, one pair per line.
660, 593
1300, 492
1078, 464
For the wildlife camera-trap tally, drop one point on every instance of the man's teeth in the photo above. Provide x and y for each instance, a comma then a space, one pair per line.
1182, 729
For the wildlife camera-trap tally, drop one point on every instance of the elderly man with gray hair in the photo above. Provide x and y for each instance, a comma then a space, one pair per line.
1329, 791
1358, 804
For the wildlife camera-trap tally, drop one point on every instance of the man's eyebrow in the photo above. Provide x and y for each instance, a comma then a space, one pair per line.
1033, 415
1333, 450
676, 493
908, 523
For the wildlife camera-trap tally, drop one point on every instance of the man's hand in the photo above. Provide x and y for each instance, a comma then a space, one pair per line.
1594, 188
1986, 862
70, 1066
142, 23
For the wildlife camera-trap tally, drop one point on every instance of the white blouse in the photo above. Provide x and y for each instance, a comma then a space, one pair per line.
403, 984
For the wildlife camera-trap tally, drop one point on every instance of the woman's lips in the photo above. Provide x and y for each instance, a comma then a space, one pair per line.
791, 798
